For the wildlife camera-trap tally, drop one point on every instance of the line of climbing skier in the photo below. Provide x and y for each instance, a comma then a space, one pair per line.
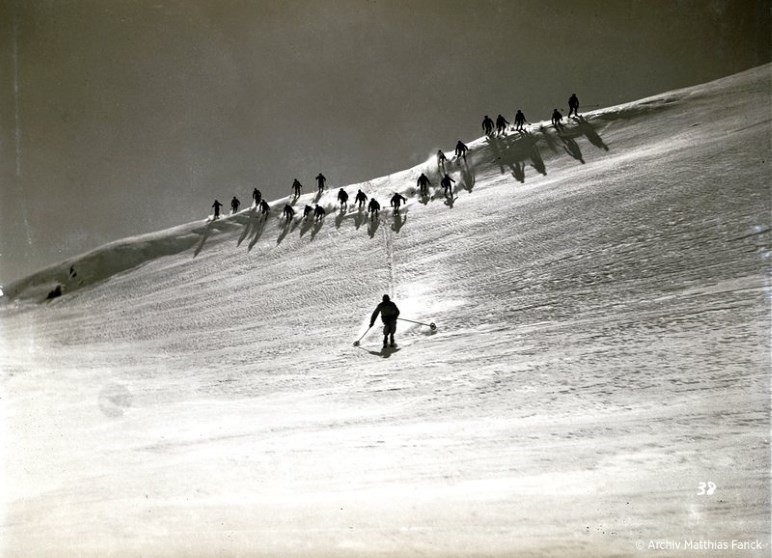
373, 207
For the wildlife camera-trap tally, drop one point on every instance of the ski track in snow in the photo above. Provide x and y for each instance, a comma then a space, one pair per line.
602, 348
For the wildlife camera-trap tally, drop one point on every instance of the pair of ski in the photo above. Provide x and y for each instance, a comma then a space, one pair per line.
431, 326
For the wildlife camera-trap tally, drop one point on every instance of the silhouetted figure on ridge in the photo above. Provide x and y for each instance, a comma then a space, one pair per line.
264, 207
217, 205
423, 184
297, 187
320, 182
343, 198
487, 125
288, 212
573, 105
461, 150
501, 125
256, 196
235, 203
446, 183
397, 200
307, 210
389, 314
556, 118
360, 199
319, 213
373, 208
441, 159
519, 121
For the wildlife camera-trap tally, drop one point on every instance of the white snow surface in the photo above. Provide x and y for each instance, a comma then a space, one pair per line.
603, 312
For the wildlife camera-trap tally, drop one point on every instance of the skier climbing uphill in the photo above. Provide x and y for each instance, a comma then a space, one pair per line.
389, 314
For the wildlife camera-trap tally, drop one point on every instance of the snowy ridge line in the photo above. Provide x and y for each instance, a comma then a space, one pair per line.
123, 255
510, 154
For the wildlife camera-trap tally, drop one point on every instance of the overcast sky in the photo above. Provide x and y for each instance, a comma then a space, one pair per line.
121, 117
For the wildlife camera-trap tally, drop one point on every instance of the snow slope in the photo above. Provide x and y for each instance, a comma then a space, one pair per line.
602, 304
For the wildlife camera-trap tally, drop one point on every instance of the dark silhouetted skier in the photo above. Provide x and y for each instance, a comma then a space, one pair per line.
320, 182
319, 213
573, 105
501, 125
441, 159
556, 118
288, 212
397, 200
487, 125
373, 208
256, 196
235, 203
297, 187
360, 198
519, 121
423, 184
307, 210
389, 314
461, 150
446, 183
343, 198
217, 205
264, 207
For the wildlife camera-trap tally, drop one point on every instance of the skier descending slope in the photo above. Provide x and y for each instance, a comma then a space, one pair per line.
289, 213
389, 314
446, 184
397, 200
360, 198
264, 207
217, 205
573, 105
320, 182
556, 118
519, 120
373, 208
343, 198
461, 150
501, 125
487, 125
257, 196
235, 203
297, 187
441, 159
423, 184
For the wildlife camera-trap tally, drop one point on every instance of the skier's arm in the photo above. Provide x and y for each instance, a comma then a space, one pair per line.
375, 315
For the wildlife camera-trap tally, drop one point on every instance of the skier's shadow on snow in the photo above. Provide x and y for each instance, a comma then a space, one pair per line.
572, 148
258, 231
207, 232
359, 219
316, 228
288, 227
519, 172
589, 132
372, 227
306, 226
339, 217
512, 152
467, 179
398, 221
253, 221
382, 353
449, 201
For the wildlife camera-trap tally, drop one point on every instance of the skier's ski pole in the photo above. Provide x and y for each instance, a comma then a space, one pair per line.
356, 343
432, 325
